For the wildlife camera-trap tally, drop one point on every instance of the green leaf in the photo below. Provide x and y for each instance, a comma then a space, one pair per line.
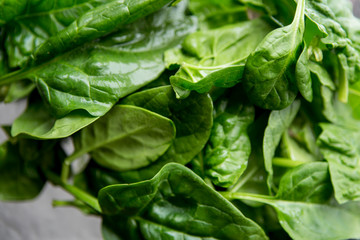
228, 149
269, 76
37, 122
303, 77
279, 121
309, 182
340, 147
214, 57
21, 161
10, 9
216, 13
126, 138
300, 213
193, 121
39, 21
354, 99
110, 16
95, 76
178, 194
19, 90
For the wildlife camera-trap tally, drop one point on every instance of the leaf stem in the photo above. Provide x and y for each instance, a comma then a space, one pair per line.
13, 77
286, 162
248, 196
76, 192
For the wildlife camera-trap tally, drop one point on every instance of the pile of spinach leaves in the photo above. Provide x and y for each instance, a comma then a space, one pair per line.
201, 119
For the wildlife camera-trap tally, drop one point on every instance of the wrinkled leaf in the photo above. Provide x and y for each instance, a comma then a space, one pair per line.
95, 76
173, 204
228, 149
340, 147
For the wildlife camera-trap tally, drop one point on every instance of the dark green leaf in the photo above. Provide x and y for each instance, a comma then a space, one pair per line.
228, 149
193, 121
96, 75
10, 9
21, 161
126, 138
173, 204
39, 21
269, 76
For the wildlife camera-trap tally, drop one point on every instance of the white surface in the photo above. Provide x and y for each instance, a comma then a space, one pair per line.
37, 219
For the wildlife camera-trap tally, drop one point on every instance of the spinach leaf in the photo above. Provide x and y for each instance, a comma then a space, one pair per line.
126, 138
21, 164
178, 194
95, 23
228, 149
354, 99
37, 122
279, 121
340, 147
39, 21
19, 179
301, 214
193, 121
19, 90
95, 76
215, 13
269, 76
214, 57
11, 9
309, 182
303, 77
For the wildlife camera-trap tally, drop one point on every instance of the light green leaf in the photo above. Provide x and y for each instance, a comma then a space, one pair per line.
214, 57
340, 147
279, 121
37, 122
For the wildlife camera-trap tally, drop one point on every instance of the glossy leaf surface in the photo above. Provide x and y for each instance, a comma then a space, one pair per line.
37, 122
173, 204
39, 21
269, 76
214, 57
126, 138
95, 76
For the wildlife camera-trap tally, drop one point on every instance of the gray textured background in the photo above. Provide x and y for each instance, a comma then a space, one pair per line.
37, 219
